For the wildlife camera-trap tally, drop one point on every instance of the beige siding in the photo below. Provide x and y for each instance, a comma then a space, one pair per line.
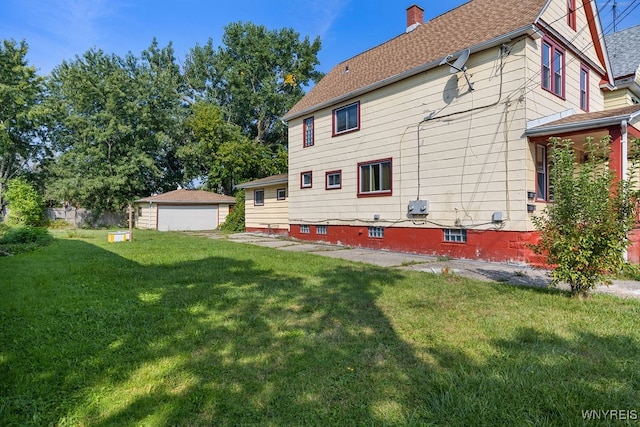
223, 212
618, 98
274, 214
146, 216
465, 159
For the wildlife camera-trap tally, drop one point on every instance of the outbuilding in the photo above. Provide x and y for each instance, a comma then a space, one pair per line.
182, 210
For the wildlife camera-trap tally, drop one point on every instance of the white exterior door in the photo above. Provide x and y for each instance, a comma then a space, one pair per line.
179, 218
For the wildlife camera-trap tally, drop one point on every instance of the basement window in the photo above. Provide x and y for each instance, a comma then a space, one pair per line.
456, 235
321, 229
305, 229
376, 232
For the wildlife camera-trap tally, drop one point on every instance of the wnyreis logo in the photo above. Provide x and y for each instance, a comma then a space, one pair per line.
610, 414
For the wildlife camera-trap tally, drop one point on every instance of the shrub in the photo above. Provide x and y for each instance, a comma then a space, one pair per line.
26, 205
235, 220
584, 231
16, 240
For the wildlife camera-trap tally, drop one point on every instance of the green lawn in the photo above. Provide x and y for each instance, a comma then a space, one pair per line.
180, 330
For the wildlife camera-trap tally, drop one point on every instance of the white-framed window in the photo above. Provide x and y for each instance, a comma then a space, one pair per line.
308, 135
457, 235
376, 232
346, 119
258, 197
584, 88
321, 229
374, 178
281, 193
552, 68
305, 229
306, 179
334, 180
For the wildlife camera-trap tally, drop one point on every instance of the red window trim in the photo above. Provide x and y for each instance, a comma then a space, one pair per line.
571, 14
304, 132
310, 179
333, 119
326, 180
554, 47
584, 68
384, 193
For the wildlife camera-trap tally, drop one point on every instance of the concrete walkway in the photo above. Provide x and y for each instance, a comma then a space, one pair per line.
517, 274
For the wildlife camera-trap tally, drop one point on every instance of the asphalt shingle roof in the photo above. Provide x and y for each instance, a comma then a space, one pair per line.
183, 196
470, 24
624, 51
274, 179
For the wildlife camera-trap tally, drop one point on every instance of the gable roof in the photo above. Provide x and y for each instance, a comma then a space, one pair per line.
191, 197
584, 121
477, 24
270, 180
624, 51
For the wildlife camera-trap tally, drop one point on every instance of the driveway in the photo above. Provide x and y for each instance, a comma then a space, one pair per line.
516, 274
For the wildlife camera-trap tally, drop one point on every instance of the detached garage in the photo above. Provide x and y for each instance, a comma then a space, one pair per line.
182, 210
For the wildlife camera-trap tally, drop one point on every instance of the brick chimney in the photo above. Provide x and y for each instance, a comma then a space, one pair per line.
415, 17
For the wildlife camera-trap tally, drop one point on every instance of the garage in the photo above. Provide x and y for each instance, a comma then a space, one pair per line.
203, 217
182, 210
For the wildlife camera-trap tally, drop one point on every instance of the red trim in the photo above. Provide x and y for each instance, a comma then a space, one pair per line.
489, 245
598, 41
310, 179
333, 119
571, 14
553, 48
304, 132
585, 69
377, 193
278, 231
326, 180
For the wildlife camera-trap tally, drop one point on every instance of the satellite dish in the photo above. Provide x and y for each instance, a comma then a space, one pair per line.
458, 65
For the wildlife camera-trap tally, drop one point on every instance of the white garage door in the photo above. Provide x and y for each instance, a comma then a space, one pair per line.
175, 218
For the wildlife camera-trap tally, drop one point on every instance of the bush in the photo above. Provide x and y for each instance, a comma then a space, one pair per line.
16, 240
235, 220
584, 231
26, 205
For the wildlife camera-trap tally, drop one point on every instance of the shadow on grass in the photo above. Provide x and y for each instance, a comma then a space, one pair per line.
102, 340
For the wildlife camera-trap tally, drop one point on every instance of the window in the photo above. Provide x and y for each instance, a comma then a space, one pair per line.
305, 229
139, 211
308, 132
584, 88
571, 13
457, 235
376, 232
334, 180
346, 119
305, 180
321, 229
258, 197
552, 68
281, 193
541, 172
374, 178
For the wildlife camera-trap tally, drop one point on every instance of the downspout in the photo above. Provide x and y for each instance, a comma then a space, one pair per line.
624, 163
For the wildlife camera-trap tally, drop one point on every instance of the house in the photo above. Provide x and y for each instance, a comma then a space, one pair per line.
624, 52
437, 141
266, 208
181, 210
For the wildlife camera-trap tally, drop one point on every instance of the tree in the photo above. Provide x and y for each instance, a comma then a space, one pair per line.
255, 78
115, 125
221, 156
583, 233
20, 93
26, 205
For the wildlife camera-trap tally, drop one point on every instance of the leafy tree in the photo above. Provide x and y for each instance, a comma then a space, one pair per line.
584, 231
26, 205
20, 92
255, 78
235, 220
221, 156
115, 124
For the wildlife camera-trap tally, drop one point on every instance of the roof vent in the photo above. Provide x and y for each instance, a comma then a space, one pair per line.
415, 17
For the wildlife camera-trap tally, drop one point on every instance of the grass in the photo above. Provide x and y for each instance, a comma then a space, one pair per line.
182, 330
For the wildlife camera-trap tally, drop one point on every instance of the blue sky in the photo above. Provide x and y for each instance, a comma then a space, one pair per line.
60, 29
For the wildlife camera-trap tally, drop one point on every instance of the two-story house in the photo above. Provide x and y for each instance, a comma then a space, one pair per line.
436, 141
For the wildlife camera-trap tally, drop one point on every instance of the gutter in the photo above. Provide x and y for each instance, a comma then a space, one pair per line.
529, 30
